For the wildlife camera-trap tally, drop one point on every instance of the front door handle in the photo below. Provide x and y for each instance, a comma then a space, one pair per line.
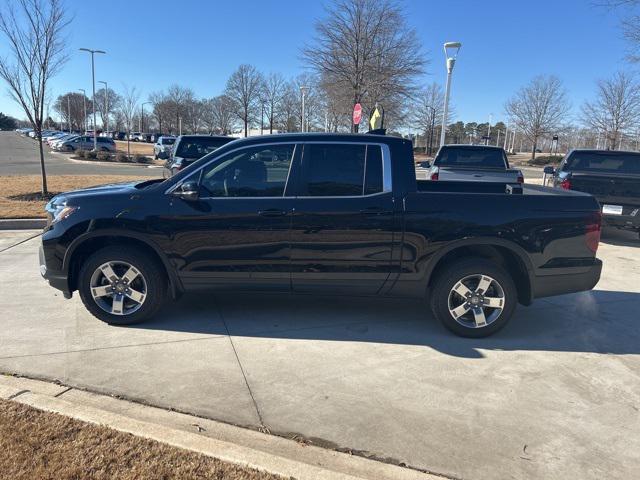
272, 212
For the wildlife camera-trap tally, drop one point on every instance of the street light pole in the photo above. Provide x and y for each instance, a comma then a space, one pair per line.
106, 105
451, 61
93, 82
303, 90
69, 111
489, 129
142, 116
84, 104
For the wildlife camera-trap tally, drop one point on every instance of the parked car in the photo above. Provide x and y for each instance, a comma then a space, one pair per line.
324, 213
56, 142
613, 177
189, 148
119, 135
162, 147
472, 163
84, 142
136, 137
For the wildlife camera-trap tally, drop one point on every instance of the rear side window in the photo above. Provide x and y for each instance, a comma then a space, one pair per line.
603, 162
470, 158
339, 170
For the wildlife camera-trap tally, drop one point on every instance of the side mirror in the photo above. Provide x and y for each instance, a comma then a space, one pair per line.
188, 191
425, 164
549, 170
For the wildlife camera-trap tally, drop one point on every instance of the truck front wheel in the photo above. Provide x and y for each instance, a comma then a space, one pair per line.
473, 297
121, 285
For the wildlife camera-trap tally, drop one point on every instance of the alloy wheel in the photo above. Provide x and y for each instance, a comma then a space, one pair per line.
118, 288
476, 301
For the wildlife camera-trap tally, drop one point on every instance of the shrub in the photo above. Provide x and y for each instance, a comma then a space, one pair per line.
546, 160
103, 156
141, 159
122, 158
90, 155
82, 153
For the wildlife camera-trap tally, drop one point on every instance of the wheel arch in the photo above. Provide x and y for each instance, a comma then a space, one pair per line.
86, 244
505, 253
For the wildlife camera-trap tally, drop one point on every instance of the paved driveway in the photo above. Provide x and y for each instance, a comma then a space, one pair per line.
20, 156
556, 394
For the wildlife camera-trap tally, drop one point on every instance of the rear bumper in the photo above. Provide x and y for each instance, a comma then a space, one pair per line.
631, 222
566, 280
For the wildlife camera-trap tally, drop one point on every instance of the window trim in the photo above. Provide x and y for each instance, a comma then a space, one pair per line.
387, 174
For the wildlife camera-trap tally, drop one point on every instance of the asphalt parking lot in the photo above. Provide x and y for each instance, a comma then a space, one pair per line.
19, 156
556, 394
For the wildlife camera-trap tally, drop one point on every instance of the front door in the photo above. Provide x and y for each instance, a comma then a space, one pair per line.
344, 224
236, 235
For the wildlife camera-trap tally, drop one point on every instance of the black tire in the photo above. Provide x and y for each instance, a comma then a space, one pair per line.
453, 273
148, 267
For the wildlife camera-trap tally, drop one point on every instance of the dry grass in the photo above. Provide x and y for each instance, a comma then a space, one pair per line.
18, 186
36, 444
136, 148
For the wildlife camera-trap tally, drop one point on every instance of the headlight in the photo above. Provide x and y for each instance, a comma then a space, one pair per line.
59, 210
62, 213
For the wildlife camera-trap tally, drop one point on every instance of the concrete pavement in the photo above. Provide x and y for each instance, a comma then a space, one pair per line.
556, 394
20, 156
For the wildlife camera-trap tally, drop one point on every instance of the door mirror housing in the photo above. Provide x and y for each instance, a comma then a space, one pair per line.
188, 191
549, 170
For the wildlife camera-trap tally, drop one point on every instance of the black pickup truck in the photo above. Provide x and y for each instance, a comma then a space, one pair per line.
340, 214
613, 177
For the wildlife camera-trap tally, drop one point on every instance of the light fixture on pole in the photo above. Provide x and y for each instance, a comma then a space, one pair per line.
93, 82
451, 50
303, 90
84, 104
142, 116
106, 105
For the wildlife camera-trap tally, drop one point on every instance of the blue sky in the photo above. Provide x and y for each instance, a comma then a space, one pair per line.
152, 44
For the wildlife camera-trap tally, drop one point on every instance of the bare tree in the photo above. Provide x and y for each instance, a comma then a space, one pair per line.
538, 108
71, 108
34, 31
243, 88
365, 48
107, 102
273, 90
128, 109
428, 111
218, 115
616, 108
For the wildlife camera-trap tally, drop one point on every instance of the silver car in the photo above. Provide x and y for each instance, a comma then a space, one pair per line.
85, 142
472, 163
162, 147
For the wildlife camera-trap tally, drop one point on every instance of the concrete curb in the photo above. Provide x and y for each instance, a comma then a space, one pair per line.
22, 223
228, 443
97, 162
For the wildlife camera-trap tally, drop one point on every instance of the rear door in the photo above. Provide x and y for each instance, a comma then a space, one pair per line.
343, 225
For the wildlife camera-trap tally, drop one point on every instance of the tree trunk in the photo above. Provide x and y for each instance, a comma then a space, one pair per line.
533, 149
45, 190
245, 126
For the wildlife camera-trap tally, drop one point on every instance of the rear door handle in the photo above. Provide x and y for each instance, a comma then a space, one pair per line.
272, 212
374, 211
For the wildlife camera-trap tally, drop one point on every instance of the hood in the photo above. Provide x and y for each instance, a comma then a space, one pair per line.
125, 188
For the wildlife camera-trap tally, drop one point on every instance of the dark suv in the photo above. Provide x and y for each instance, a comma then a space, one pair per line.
189, 148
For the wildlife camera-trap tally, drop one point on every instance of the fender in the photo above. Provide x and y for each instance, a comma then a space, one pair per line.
174, 280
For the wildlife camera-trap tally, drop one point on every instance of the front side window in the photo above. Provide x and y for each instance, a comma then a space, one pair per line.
339, 170
250, 172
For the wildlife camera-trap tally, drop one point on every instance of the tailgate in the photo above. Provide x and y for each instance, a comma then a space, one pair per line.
622, 189
477, 175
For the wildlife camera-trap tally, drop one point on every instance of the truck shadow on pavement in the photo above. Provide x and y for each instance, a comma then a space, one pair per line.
596, 322
620, 238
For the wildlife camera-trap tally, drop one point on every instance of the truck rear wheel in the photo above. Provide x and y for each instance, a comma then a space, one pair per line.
473, 297
121, 285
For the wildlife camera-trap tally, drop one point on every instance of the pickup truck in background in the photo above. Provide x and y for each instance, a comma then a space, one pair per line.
321, 213
472, 163
613, 177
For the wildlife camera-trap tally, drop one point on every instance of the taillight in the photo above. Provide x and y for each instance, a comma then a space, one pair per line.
520, 178
434, 174
593, 228
565, 184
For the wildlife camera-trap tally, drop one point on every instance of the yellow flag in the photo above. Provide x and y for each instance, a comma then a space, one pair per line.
375, 121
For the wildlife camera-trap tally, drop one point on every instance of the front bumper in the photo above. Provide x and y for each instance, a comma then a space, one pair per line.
559, 281
57, 280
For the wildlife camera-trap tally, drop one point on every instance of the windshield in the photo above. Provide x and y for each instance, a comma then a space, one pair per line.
605, 162
198, 147
471, 157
